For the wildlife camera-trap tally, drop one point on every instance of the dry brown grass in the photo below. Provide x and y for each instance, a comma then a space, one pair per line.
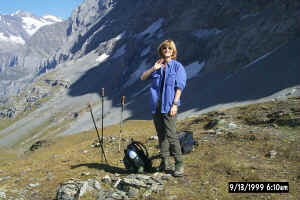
241, 155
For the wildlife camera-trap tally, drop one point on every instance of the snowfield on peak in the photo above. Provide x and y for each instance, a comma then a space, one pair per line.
51, 18
12, 38
16, 28
31, 24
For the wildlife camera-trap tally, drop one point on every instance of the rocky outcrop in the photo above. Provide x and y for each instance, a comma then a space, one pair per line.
132, 186
8, 112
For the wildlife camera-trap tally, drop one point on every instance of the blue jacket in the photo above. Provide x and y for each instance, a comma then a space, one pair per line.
175, 77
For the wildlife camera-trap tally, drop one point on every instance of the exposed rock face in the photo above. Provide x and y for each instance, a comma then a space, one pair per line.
233, 51
228, 34
89, 12
24, 44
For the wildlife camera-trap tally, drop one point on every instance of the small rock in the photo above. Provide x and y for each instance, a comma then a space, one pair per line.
209, 132
2, 195
232, 125
272, 154
101, 195
222, 121
68, 191
171, 197
84, 187
134, 182
117, 182
133, 192
34, 185
96, 144
147, 194
4, 178
85, 151
119, 195
220, 131
94, 184
211, 124
107, 179
1, 172
167, 177
50, 173
291, 92
85, 173
153, 138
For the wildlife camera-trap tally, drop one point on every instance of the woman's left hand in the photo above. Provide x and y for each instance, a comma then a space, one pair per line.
173, 110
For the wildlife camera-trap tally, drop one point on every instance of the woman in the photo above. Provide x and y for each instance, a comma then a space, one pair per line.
168, 81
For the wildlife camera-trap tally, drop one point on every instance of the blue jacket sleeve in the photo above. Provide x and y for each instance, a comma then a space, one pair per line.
180, 81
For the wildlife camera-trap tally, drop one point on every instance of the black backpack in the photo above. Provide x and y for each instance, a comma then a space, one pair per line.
142, 158
186, 141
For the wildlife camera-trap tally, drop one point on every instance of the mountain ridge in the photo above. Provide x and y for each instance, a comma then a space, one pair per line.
217, 42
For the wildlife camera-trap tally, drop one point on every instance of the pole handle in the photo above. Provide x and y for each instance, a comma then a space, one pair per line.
123, 100
102, 92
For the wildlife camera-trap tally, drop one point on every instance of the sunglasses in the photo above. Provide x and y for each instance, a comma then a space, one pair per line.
169, 48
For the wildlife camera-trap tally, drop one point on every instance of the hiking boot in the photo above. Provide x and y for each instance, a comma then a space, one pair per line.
163, 166
179, 170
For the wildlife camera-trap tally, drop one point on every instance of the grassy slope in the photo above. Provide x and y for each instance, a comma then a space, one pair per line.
234, 155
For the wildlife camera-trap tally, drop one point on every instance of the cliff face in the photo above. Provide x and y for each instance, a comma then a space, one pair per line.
233, 51
226, 34
24, 41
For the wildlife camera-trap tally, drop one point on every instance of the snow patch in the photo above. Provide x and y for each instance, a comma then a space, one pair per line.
141, 91
194, 68
51, 18
16, 13
151, 29
31, 24
262, 57
249, 15
17, 39
136, 75
120, 36
2, 37
102, 58
12, 38
204, 33
253, 62
120, 52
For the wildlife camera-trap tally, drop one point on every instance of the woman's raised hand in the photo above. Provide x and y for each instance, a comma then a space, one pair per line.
158, 64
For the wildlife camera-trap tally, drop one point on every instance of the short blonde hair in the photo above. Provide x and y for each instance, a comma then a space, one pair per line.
167, 43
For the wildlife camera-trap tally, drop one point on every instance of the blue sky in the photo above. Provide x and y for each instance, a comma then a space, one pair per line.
59, 8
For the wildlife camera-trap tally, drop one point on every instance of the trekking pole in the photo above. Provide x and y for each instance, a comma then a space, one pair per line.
121, 123
101, 143
102, 98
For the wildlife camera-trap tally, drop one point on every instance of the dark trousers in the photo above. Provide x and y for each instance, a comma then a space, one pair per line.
165, 126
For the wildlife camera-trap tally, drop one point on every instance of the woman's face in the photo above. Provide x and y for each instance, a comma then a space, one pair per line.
167, 51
